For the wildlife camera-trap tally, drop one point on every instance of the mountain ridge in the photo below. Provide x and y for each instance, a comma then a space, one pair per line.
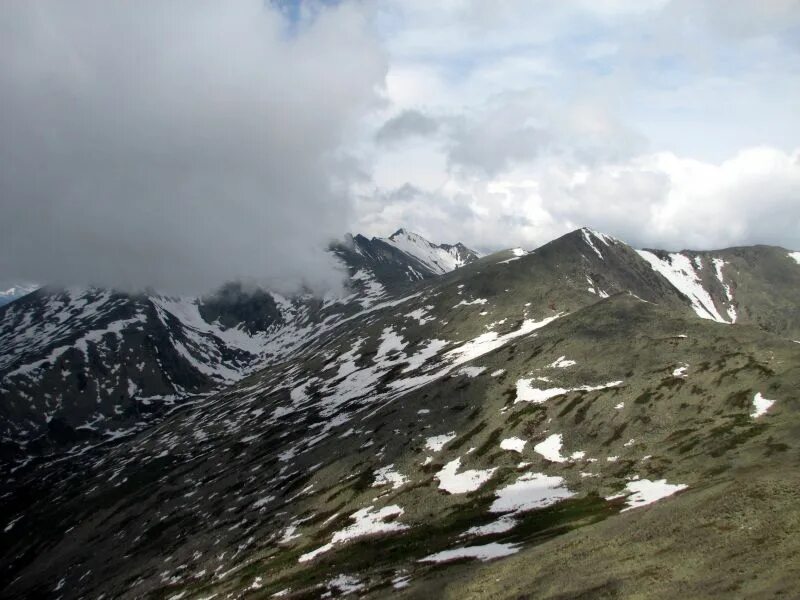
187, 346
486, 412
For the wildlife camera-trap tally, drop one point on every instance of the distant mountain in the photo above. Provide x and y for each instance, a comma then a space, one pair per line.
403, 257
759, 285
493, 429
16, 291
80, 365
437, 258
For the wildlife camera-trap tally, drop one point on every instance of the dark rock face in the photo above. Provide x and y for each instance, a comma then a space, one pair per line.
234, 306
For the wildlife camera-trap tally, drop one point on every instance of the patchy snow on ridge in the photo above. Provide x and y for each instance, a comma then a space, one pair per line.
434, 257
501, 525
373, 290
367, 522
527, 393
421, 315
345, 584
388, 476
489, 341
587, 236
795, 256
470, 371
390, 342
561, 363
471, 302
760, 405
680, 272
718, 264
517, 253
595, 289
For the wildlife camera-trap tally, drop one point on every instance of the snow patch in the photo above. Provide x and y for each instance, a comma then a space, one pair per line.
435, 258
530, 491
420, 315
477, 301
718, 264
491, 340
483, 553
587, 236
644, 492
453, 482
513, 444
680, 272
551, 448
561, 363
345, 584
438, 442
366, 523
471, 371
760, 405
527, 393
388, 476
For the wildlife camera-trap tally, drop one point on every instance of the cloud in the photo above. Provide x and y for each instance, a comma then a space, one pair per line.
195, 142
497, 135
518, 127
739, 18
669, 123
408, 124
657, 201
178, 145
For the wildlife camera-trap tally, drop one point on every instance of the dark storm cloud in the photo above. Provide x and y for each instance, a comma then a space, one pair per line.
408, 124
176, 144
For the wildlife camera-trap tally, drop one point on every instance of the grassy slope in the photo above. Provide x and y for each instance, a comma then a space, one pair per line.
733, 538
698, 431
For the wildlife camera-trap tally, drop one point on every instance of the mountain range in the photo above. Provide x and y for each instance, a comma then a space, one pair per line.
583, 420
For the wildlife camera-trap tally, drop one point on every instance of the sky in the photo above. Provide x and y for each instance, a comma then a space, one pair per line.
182, 144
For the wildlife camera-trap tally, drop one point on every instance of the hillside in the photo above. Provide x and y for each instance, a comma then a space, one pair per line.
81, 365
560, 423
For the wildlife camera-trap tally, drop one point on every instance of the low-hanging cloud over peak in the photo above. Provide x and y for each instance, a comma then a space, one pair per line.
177, 144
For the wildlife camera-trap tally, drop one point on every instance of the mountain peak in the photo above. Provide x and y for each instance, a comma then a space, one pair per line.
405, 233
437, 258
398, 233
587, 239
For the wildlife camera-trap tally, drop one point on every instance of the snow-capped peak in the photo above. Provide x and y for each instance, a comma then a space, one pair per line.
590, 236
438, 258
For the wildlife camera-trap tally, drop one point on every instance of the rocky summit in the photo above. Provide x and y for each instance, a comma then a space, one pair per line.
584, 420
